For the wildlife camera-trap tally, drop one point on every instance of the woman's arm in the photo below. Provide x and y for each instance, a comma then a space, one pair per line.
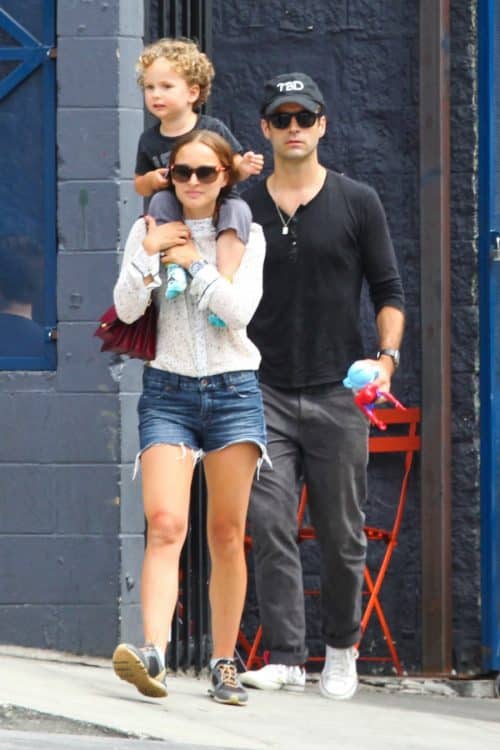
139, 275
140, 270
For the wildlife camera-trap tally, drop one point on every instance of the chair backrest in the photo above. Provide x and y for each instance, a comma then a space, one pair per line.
386, 442
408, 442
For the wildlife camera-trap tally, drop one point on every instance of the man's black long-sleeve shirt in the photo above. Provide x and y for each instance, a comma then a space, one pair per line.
307, 325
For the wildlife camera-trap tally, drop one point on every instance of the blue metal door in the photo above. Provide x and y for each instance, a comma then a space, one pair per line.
27, 185
489, 269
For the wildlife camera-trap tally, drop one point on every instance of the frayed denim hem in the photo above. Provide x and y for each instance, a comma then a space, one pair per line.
197, 454
263, 450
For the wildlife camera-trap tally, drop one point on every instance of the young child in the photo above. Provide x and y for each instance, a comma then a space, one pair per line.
176, 78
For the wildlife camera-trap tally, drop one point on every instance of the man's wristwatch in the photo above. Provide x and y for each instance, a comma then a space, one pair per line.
392, 353
196, 266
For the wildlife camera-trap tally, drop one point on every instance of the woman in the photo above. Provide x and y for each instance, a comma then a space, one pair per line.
200, 400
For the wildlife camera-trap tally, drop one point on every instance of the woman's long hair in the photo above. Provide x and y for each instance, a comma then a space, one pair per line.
221, 149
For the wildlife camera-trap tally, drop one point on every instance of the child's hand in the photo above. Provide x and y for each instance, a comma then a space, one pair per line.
158, 179
250, 164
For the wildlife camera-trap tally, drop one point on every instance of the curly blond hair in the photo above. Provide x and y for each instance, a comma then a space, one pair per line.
186, 59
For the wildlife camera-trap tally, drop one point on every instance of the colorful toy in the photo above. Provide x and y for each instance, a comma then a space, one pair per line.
359, 374
361, 377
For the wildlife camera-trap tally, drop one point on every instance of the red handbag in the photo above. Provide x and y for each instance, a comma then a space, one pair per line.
137, 339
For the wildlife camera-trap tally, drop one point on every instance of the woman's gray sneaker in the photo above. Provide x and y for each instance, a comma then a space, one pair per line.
226, 685
142, 667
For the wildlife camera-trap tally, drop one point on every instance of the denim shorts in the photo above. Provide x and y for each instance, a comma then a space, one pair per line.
203, 414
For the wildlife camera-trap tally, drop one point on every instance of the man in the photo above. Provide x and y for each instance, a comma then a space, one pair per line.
325, 233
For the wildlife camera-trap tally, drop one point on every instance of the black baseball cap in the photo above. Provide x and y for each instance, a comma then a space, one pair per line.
291, 87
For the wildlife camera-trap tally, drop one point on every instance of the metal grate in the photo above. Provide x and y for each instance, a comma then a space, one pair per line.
189, 646
174, 18
190, 642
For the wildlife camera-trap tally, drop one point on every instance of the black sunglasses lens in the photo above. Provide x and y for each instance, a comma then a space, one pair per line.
181, 173
306, 119
282, 120
206, 174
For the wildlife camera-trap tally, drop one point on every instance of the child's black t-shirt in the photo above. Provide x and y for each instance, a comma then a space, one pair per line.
154, 148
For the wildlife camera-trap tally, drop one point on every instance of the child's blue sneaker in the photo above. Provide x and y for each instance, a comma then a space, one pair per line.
214, 320
176, 281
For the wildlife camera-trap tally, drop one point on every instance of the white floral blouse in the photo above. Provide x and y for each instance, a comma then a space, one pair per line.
187, 344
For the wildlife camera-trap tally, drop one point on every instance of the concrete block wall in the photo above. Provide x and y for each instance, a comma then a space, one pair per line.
71, 526
465, 338
365, 57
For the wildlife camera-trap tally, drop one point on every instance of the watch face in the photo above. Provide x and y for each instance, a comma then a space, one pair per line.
196, 266
392, 353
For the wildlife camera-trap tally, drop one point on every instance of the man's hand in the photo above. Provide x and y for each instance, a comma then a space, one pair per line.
385, 368
386, 371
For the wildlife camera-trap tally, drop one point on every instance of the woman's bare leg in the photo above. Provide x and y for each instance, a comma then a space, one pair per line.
229, 474
167, 472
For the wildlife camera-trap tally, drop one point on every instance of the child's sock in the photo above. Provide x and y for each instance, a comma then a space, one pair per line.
176, 281
215, 321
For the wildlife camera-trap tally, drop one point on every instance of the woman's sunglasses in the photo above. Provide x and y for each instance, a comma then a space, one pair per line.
304, 118
205, 175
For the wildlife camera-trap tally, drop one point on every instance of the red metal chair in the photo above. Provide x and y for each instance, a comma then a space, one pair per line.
406, 442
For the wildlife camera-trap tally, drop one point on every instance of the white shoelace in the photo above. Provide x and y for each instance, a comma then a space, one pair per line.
339, 662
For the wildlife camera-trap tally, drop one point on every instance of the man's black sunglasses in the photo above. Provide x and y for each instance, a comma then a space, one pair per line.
206, 175
304, 119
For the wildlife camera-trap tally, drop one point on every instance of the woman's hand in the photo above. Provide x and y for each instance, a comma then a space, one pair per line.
162, 237
183, 255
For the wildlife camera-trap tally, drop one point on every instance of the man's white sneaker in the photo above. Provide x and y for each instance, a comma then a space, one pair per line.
339, 678
276, 677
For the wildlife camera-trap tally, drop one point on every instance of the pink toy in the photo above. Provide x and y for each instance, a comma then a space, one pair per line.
366, 398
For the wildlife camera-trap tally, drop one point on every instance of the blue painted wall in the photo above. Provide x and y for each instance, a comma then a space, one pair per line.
70, 528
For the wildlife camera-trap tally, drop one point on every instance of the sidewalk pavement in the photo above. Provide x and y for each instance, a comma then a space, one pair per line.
86, 690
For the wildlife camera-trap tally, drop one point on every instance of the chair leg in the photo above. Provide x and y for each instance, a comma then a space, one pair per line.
252, 656
374, 603
244, 642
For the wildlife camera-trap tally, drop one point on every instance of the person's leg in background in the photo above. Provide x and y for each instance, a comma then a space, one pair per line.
278, 570
335, 438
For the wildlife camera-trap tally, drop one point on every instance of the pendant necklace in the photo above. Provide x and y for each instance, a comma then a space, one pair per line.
284, 229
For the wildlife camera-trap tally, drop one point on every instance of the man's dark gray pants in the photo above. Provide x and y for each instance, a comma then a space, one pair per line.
319, 436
